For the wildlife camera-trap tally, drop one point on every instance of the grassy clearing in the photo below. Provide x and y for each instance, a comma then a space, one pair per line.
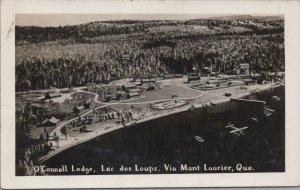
167, 93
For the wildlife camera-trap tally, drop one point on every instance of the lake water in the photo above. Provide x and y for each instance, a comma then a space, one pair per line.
172, 142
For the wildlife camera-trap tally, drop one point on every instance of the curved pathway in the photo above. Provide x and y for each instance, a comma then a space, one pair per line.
124, 102
71, 141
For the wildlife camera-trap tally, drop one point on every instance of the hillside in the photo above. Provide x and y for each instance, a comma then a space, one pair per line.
92, 53
196, 27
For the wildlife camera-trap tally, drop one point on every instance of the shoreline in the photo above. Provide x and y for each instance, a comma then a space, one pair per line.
216, 103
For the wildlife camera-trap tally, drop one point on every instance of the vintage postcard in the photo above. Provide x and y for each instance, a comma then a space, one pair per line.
99, 94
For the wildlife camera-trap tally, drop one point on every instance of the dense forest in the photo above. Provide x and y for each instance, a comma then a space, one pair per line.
75, 55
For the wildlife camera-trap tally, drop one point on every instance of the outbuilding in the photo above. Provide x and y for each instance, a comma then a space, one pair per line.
78, 109
49, 122
127, 87
52, 95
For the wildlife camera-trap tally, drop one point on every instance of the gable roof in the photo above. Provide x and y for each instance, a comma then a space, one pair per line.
53, 120
50, 122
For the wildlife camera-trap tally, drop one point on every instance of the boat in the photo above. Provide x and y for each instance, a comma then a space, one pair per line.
276, 98
200, 139
254, 119
268, 112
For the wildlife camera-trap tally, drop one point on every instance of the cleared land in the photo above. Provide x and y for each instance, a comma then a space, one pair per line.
166, 93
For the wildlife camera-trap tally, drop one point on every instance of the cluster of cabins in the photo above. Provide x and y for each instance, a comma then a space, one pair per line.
36, 113
106, 114
135, 89
153, 78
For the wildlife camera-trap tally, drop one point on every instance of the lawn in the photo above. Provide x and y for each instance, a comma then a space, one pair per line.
166, 93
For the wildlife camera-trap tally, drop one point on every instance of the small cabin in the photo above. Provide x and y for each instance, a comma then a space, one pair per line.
191, 78
133, 94
78, 109
49, 122
52, 95
127, 87
125, 57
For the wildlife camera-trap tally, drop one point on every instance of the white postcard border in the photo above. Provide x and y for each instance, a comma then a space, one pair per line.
290, 10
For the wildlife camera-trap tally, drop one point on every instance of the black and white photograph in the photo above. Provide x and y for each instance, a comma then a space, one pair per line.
149, 94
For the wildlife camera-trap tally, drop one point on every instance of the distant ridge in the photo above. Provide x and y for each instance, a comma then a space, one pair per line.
137, 21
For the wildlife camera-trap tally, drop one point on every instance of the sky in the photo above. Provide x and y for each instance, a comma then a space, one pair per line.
73, 19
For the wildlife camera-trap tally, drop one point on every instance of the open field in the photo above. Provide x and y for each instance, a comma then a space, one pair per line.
167, 93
